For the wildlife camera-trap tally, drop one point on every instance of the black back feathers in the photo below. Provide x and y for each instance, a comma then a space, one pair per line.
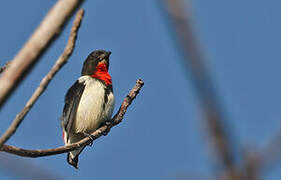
72, 100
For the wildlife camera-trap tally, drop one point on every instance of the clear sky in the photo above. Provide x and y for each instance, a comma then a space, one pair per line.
162, 135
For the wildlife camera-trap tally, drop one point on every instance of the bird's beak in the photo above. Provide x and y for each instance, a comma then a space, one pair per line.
105, 59
108, 53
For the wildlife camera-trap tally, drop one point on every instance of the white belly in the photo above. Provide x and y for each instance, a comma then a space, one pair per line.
92, 111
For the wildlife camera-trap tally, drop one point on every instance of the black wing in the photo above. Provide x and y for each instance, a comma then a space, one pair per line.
72, 99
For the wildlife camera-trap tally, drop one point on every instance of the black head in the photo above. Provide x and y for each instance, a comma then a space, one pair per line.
89, 66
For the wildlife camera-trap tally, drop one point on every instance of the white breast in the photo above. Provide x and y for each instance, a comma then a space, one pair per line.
92, 111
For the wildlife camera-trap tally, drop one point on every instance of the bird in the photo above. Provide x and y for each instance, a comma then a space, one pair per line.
89, 102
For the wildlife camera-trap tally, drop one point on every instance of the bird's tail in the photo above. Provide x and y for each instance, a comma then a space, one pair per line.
72, 157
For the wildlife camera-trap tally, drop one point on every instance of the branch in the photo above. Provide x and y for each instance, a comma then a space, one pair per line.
4, 67
45, 34
207, 94
46, 80
99, 132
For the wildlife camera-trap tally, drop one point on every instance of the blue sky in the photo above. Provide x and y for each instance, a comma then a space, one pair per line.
162, 135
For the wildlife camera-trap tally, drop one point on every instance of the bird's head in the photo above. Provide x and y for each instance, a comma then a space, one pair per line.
98, 60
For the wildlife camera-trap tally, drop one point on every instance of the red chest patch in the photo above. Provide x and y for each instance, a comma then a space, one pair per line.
102, 74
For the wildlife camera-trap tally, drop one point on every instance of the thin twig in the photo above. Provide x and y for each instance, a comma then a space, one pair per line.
46, 80
203, 84
99, 132
44, 35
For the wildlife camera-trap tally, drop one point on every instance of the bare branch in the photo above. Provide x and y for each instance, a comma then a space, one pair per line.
47, 31
203, 84
46, 80
99, 132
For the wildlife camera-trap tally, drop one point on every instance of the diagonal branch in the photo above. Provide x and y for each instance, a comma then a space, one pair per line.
203, 84
4, 67
44, 35
99, 132
46, 80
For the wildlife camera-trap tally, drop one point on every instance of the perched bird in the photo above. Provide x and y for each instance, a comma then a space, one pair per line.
88, 103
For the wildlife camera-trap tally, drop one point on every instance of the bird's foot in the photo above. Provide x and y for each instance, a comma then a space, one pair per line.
91, 137
108, 124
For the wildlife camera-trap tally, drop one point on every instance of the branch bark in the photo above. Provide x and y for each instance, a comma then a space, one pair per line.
45, 34
46, 80
118, 117
4, 67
